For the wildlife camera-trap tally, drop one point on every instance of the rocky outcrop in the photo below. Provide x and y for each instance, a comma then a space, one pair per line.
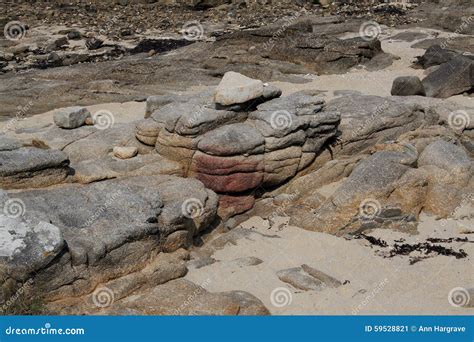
368, 120
236, 149
390, 188
66, 238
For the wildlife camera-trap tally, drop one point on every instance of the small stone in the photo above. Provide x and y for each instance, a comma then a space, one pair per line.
236, 88
125, 152
89, 121
74, 35
407, 85
71, 117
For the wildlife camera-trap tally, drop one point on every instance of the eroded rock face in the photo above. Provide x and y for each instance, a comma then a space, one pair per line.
407, 85
30, 167
235, 150
72, 234
182, 297
389, 189
367, 120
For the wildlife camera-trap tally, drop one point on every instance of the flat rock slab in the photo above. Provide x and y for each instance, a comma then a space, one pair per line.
307, 278
182, 297
297, 278
232, 139
33, 167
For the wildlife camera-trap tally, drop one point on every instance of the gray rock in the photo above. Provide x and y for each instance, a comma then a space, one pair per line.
110, 228
436, 55
27, 247
368, 120
9, 144
446, 156
32, 167
71, 117
232, 139
157, 101
323, 277
407, 85
236, 88
245, 262
451, 78
298, 279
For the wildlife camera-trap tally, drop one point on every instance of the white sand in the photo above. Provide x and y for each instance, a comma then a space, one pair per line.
377, 285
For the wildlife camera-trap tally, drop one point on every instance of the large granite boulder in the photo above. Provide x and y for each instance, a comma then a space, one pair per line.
74, 237
451, 78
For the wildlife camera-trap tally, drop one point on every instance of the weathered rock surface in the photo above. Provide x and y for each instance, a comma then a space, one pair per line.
407, 85
123, 152
436, 55
451, 78
121, 222
71, 117
368, 120
388, 188
233, 151
30, 167
182, 297
307, 278
236, 88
